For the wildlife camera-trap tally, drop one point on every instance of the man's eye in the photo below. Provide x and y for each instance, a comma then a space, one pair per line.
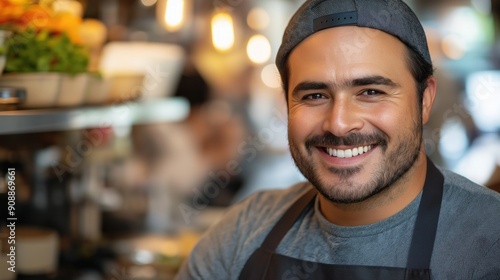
371, 92
314, 96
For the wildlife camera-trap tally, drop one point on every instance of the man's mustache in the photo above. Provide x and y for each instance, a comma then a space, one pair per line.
353, 139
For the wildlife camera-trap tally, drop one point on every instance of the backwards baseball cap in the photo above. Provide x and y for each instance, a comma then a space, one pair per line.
391, 16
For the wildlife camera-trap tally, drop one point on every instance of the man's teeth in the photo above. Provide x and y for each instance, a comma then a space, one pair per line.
349, 152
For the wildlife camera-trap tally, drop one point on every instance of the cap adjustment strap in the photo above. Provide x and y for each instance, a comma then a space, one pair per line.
333, 20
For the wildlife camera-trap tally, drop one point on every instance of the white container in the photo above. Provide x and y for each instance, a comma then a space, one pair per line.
160, 64
72, 90
97, 90
124, 87
41, 88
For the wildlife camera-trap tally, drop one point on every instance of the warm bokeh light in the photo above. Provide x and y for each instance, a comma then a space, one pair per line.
148, 3
222, 31
258, 19
259, 49
172, 14
270, 76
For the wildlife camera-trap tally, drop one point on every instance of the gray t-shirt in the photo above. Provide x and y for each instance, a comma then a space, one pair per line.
467, 243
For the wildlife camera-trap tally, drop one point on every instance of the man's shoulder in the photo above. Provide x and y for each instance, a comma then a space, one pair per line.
460, 186
470, 203
247, 222
469, 226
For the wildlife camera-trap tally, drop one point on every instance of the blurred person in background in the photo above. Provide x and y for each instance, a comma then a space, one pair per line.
359, 83
217, 127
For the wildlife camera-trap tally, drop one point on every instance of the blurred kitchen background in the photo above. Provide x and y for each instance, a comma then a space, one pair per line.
186, 117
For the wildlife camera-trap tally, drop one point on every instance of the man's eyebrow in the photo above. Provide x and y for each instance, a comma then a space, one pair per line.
363, 81
372, 80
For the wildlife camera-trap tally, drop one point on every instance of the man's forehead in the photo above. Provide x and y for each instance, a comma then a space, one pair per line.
340, 56
353, 47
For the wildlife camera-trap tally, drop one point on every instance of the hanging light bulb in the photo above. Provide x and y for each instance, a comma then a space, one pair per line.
222, 31
172, 14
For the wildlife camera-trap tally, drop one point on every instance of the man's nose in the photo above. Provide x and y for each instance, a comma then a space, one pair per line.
343, 117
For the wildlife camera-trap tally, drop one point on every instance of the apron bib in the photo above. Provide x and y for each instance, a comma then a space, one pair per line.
264, 263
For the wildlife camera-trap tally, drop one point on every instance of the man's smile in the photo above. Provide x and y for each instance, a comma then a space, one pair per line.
348, 153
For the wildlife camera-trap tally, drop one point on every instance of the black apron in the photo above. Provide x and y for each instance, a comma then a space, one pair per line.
264, 263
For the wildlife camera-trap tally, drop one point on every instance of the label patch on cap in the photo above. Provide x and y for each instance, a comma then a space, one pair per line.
334, 20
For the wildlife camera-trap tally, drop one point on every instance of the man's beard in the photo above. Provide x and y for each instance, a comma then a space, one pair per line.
392, 167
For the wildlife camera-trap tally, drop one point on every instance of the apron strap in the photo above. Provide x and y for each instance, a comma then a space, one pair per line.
288, 219
426, 223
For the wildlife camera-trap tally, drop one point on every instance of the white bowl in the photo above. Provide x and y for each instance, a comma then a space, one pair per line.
41, 88
97, 90
124, 87
72, 90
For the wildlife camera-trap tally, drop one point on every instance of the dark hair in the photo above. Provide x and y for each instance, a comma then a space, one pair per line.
419, 68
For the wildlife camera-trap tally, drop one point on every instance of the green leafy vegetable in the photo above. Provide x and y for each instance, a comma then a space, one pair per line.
41, 51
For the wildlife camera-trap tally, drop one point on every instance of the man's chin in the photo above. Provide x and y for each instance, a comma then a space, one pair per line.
343, 192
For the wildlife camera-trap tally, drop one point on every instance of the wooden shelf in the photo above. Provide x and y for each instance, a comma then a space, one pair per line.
126, 114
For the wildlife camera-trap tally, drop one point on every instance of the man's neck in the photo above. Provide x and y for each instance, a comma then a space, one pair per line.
381, 206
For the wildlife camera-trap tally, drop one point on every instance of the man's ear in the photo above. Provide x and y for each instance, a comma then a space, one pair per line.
428, 98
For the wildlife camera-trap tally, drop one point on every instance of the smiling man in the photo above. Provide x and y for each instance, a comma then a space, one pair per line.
355, 122
358, 79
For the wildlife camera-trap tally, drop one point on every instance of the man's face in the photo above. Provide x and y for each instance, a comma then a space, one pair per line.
355, 125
